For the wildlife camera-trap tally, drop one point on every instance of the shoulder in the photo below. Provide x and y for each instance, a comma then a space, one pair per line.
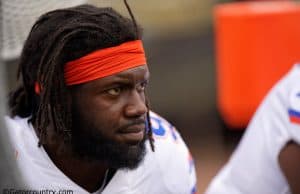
163, 130
281, 94
273, 125
16, 125
167, 139
289, 156
285, 87
21, 134
293, 107
172, 156
278, 116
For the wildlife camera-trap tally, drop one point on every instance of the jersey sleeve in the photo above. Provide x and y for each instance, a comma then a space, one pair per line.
293, 112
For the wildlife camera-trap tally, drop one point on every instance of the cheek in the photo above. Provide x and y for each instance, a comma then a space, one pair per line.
105, 114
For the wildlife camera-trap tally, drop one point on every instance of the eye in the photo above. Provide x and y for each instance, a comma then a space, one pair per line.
114, 91
142, 86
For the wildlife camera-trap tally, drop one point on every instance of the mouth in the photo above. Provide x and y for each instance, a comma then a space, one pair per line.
133, 134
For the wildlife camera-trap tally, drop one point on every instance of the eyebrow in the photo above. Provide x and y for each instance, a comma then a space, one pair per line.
125, 79
128, 75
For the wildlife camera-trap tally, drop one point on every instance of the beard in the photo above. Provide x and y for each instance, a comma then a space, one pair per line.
89, 143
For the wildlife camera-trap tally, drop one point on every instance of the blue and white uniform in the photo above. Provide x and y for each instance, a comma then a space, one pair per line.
168, 170
254, 167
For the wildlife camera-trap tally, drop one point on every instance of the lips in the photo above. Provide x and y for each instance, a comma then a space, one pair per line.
133, 133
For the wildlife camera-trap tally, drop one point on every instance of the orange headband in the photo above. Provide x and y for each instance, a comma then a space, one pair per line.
105, 62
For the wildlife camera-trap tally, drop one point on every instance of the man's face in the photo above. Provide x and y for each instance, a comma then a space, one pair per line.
109, 116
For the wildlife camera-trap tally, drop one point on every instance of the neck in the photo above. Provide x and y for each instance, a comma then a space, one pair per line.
86, 173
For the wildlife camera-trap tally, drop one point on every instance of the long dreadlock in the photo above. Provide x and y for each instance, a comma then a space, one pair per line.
58, 37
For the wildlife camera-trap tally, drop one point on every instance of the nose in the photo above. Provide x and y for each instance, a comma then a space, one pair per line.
136, 106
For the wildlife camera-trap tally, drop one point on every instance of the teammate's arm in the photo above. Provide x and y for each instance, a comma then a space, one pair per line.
289, 160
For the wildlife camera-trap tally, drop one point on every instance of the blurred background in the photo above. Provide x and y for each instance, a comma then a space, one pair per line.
179, 40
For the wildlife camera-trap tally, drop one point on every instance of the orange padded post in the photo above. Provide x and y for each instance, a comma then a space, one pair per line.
256, 44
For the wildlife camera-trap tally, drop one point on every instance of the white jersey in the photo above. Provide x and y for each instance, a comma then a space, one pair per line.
170, 169
254, 167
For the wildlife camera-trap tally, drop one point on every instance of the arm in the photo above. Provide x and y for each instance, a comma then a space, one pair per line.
289, 161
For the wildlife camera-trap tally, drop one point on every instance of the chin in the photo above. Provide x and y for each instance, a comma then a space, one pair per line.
118, 155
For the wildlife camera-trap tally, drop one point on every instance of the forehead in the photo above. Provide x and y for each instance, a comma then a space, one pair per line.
140, 72
133, 75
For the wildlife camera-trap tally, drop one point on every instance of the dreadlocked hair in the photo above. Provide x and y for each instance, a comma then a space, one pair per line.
58, 37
